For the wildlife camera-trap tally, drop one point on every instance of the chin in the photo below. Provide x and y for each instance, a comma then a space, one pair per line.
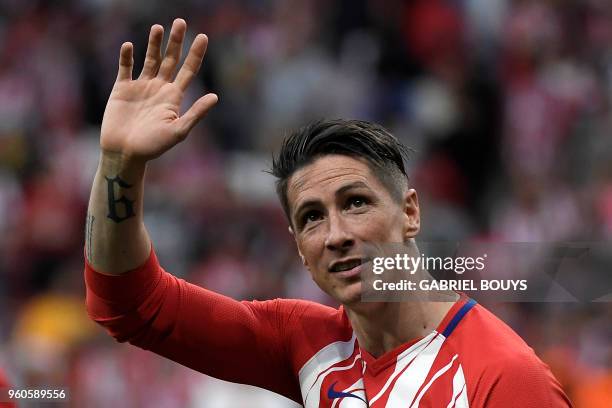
350, 294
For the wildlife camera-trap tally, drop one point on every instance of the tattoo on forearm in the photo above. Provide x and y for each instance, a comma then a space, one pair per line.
89, 237
113, 203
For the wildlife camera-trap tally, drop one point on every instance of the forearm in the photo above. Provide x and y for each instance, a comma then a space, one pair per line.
116, 239
142, 120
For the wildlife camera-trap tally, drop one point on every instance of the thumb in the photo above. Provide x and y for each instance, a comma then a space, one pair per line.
198, 110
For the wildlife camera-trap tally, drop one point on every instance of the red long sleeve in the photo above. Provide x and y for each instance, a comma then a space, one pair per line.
211, 333
309, 352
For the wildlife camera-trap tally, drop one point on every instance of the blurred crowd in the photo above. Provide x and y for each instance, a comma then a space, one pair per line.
506, 103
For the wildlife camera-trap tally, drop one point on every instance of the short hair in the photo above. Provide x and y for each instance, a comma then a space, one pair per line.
381, 150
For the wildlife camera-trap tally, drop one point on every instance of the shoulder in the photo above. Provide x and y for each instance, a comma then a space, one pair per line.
306, 320
481, 334
307, 327
500, 368
296, 309
520, 379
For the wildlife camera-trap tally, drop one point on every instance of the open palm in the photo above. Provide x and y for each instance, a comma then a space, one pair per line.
142, 118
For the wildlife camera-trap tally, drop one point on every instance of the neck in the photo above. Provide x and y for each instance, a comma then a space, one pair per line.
381, 327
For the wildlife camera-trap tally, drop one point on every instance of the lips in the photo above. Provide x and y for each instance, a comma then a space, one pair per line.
347, 268
341, 266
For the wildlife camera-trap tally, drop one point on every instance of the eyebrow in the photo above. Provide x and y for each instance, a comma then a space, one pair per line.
350, 186
340, 191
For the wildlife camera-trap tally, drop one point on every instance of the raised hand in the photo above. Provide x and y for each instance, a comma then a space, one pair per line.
142, 118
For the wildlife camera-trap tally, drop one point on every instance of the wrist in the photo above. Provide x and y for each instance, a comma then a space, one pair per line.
121, 163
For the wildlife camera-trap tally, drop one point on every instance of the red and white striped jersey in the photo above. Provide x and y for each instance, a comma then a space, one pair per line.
309, 353
426, 371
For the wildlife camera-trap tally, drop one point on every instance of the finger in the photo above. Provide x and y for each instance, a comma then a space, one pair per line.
173, 49
126, 62
192, 63
197, 111
153, 57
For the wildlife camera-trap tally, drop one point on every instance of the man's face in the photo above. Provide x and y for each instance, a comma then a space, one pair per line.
339, 209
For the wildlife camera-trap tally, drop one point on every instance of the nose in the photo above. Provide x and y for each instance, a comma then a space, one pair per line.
338, 237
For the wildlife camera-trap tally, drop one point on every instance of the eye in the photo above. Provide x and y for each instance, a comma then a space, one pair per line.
356, 202
311, 216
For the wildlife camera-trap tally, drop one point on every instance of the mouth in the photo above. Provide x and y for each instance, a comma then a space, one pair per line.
347, 268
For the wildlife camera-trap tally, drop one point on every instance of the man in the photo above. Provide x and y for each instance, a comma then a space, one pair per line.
344, 189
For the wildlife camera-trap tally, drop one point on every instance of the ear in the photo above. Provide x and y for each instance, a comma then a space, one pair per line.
412, 214
298, 247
